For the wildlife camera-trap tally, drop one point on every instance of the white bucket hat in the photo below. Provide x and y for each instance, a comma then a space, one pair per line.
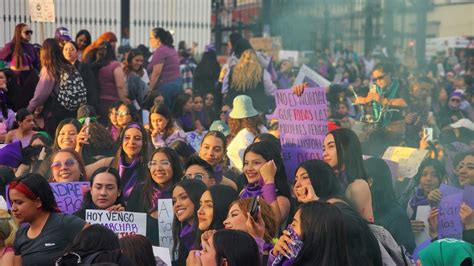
243, 107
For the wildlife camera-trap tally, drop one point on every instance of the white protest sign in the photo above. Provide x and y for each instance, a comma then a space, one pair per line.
310, 76
42, 10
422, 213
122, 223
408, 159
165, 222
162, 256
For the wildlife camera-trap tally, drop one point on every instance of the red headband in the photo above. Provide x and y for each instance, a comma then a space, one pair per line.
23, 189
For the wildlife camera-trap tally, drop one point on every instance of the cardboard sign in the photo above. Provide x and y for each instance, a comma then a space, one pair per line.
162, 256
302, 126
165, 222
310, 76
408, 159
449, 220
422, 214
69, 195
123, 223
42, 10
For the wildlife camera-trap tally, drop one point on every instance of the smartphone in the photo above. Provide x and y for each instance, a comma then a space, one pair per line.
87, 123
428, 133
373, 88
254, 206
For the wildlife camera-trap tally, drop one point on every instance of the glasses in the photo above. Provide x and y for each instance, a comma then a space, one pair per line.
68, 163
455, 100
28, 32
195, 176
224, 112
123, 113
378, 78
163, 164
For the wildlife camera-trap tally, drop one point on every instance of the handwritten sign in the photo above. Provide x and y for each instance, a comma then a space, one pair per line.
42, 10
449, 221
165, 222
69, 195
408, 159
162, 256
122, 223
302, 125
310, 76
422, 214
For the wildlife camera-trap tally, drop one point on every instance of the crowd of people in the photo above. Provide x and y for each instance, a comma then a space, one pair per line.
140, 126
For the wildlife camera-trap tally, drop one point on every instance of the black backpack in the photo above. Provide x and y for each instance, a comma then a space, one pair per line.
72, 93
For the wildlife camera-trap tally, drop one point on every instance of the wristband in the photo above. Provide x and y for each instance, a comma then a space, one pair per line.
268, 193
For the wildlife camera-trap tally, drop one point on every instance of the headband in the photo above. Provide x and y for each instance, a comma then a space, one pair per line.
23, 189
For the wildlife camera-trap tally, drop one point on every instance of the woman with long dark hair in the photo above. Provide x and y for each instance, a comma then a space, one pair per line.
214, 205
20, 54
83, 40
33, 204
163, 130
136, 78
207, 73
164, 66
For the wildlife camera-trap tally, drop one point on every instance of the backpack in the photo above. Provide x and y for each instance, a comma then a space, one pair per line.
72, 93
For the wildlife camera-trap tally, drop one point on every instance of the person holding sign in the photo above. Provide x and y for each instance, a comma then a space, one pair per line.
186, 195
266, 177
67, 166
164, 171
214, 204
105, 192
47, 231
342, 151
131, 157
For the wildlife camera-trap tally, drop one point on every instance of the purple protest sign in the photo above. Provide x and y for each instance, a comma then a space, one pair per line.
69, 195
302, 124
468, 195
449, 221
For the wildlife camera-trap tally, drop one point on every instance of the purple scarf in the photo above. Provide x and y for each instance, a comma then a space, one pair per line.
252, 190
128, 174
158, 193
186, 236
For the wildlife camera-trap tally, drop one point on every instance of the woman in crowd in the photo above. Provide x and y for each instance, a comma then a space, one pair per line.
387, 212
70, 134
211, 107
214, 205
89, 53
38, 119
317, 236
265, 174
33, 203
70, 52
245, 124
197, 168
184, 115
342, 151
207, 73
249, 78
24, 132
126, 113
185, 195
83, 40
8, 229
164, 66
20, 54
163, 131
67, 166
164, 171
213, 151
105, 192
134, 64
113, 127
225, 247
7, 115
111, 78
198, 109
136, 79
54, 67
138, 249
315, 180
131, 157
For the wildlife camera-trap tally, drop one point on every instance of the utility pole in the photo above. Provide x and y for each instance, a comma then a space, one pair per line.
216, 5
266, 14
422, 7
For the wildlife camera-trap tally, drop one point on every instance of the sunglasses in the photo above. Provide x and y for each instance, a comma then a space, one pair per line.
58, 165
28, 32
379, 78
123, 113
163, 164
195, 176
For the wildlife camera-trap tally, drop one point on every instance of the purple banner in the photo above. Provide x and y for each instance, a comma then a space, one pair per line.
69, 195
449, 221
468, 195
302, 124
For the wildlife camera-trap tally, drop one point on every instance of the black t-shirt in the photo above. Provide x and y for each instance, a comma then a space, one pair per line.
58, 232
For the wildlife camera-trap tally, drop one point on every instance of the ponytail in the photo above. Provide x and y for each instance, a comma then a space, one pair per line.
165, 36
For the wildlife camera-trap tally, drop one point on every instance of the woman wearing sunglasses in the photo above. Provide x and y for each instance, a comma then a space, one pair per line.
67, 166
164, 171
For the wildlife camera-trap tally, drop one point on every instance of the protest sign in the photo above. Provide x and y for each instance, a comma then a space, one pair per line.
165, 222
310, 76
162, 256
422, 214
408, 159
449, 221
468, 195
42, 10
69, 195
122, 223
302, 125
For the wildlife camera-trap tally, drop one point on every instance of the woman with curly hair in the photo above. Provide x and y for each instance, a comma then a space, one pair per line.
245, 124
249, 78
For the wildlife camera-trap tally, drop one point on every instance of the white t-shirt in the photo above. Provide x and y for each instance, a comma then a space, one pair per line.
236, 148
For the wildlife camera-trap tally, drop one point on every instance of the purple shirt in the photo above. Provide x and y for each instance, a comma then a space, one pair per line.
169, 58
108, 88
44, 88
